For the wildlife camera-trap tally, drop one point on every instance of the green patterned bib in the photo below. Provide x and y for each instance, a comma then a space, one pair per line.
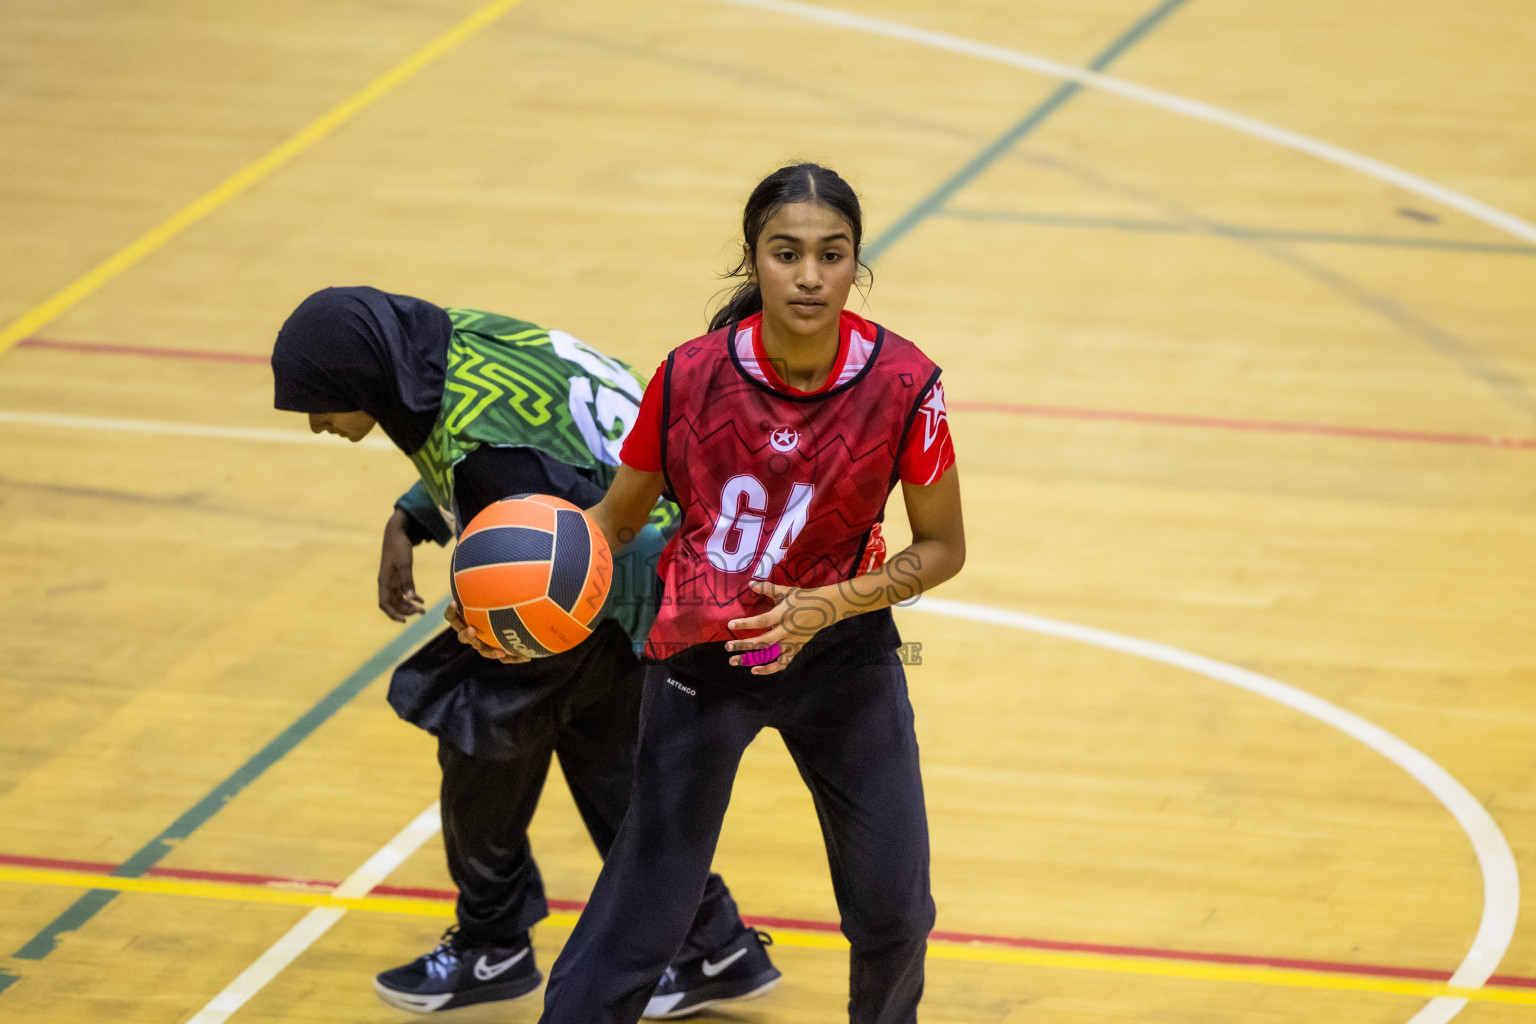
511, 383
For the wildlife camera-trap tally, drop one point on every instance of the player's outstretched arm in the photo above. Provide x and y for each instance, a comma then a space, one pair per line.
626, 508
936, 554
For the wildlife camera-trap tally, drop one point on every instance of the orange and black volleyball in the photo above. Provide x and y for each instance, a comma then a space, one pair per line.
531, 574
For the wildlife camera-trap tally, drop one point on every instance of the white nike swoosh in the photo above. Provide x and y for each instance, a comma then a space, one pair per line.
710, 970
486, 971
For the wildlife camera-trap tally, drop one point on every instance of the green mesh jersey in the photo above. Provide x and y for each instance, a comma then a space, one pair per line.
511, 383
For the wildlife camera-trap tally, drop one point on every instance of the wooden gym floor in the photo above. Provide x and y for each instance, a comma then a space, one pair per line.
1249, 425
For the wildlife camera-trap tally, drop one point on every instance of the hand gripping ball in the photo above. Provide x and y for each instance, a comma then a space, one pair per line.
531, 574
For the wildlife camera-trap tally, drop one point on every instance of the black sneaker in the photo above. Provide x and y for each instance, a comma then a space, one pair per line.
457, 973
739, 970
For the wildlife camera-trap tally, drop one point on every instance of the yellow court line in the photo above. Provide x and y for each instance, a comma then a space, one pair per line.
230, 891
806, 940
201, 207
1223, 972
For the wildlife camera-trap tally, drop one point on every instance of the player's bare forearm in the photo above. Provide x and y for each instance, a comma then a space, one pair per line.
397, 586
936, 554
626, 507
917, 568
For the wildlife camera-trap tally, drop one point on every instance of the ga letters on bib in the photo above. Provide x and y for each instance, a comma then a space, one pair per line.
777, 484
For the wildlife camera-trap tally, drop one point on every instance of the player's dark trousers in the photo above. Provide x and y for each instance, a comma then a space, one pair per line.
487, 803
848, 725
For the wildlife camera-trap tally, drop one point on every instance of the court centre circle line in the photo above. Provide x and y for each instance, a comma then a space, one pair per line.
1496, 861
1171, 102
1501, 882
1501, 877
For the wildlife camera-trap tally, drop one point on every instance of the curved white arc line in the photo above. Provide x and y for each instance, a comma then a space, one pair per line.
1501, 878
1196, 109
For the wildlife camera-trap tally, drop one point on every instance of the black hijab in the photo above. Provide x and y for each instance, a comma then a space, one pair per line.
360, 349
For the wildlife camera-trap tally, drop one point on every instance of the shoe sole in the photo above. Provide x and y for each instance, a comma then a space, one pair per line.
441, 1003
706, 1004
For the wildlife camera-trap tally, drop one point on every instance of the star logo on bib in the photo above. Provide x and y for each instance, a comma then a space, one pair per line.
784, 439
934, 414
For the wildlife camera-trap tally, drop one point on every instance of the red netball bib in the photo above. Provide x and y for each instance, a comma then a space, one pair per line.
775, 486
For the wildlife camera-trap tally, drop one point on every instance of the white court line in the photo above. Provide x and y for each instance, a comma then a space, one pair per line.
315, 923
1501, 882
111, 426
1170, 102
1501, 878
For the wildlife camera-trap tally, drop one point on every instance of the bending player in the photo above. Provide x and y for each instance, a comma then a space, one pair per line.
780, 434
488, 407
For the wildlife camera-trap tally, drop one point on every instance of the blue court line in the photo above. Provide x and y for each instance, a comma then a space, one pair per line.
1223, 230
934, 202
88, 905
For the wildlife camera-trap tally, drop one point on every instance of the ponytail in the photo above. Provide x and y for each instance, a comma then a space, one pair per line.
796, 183
745, 300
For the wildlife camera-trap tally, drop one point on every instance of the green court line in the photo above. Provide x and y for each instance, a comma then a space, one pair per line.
1222, 230
934, 202
88, 905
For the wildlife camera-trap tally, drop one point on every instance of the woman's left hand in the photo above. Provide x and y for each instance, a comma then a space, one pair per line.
467, 635
797, 616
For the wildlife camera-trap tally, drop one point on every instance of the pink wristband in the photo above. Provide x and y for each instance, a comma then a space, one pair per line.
762, 655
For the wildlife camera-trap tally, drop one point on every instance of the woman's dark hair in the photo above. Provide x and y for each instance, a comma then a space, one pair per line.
797, 183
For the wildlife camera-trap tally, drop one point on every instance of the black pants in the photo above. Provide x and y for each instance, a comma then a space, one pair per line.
585, 714
847, 722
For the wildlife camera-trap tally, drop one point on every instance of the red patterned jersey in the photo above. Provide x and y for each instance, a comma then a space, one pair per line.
925, 455
777, 484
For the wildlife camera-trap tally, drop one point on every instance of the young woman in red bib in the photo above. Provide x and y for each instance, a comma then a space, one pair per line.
780, 434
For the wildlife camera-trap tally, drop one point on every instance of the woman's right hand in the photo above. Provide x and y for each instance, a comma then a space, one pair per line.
468, 635
397, 587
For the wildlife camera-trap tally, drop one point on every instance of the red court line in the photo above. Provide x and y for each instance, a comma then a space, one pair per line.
1005, 408
829, 927
146, 351
89, 867
1224, 423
